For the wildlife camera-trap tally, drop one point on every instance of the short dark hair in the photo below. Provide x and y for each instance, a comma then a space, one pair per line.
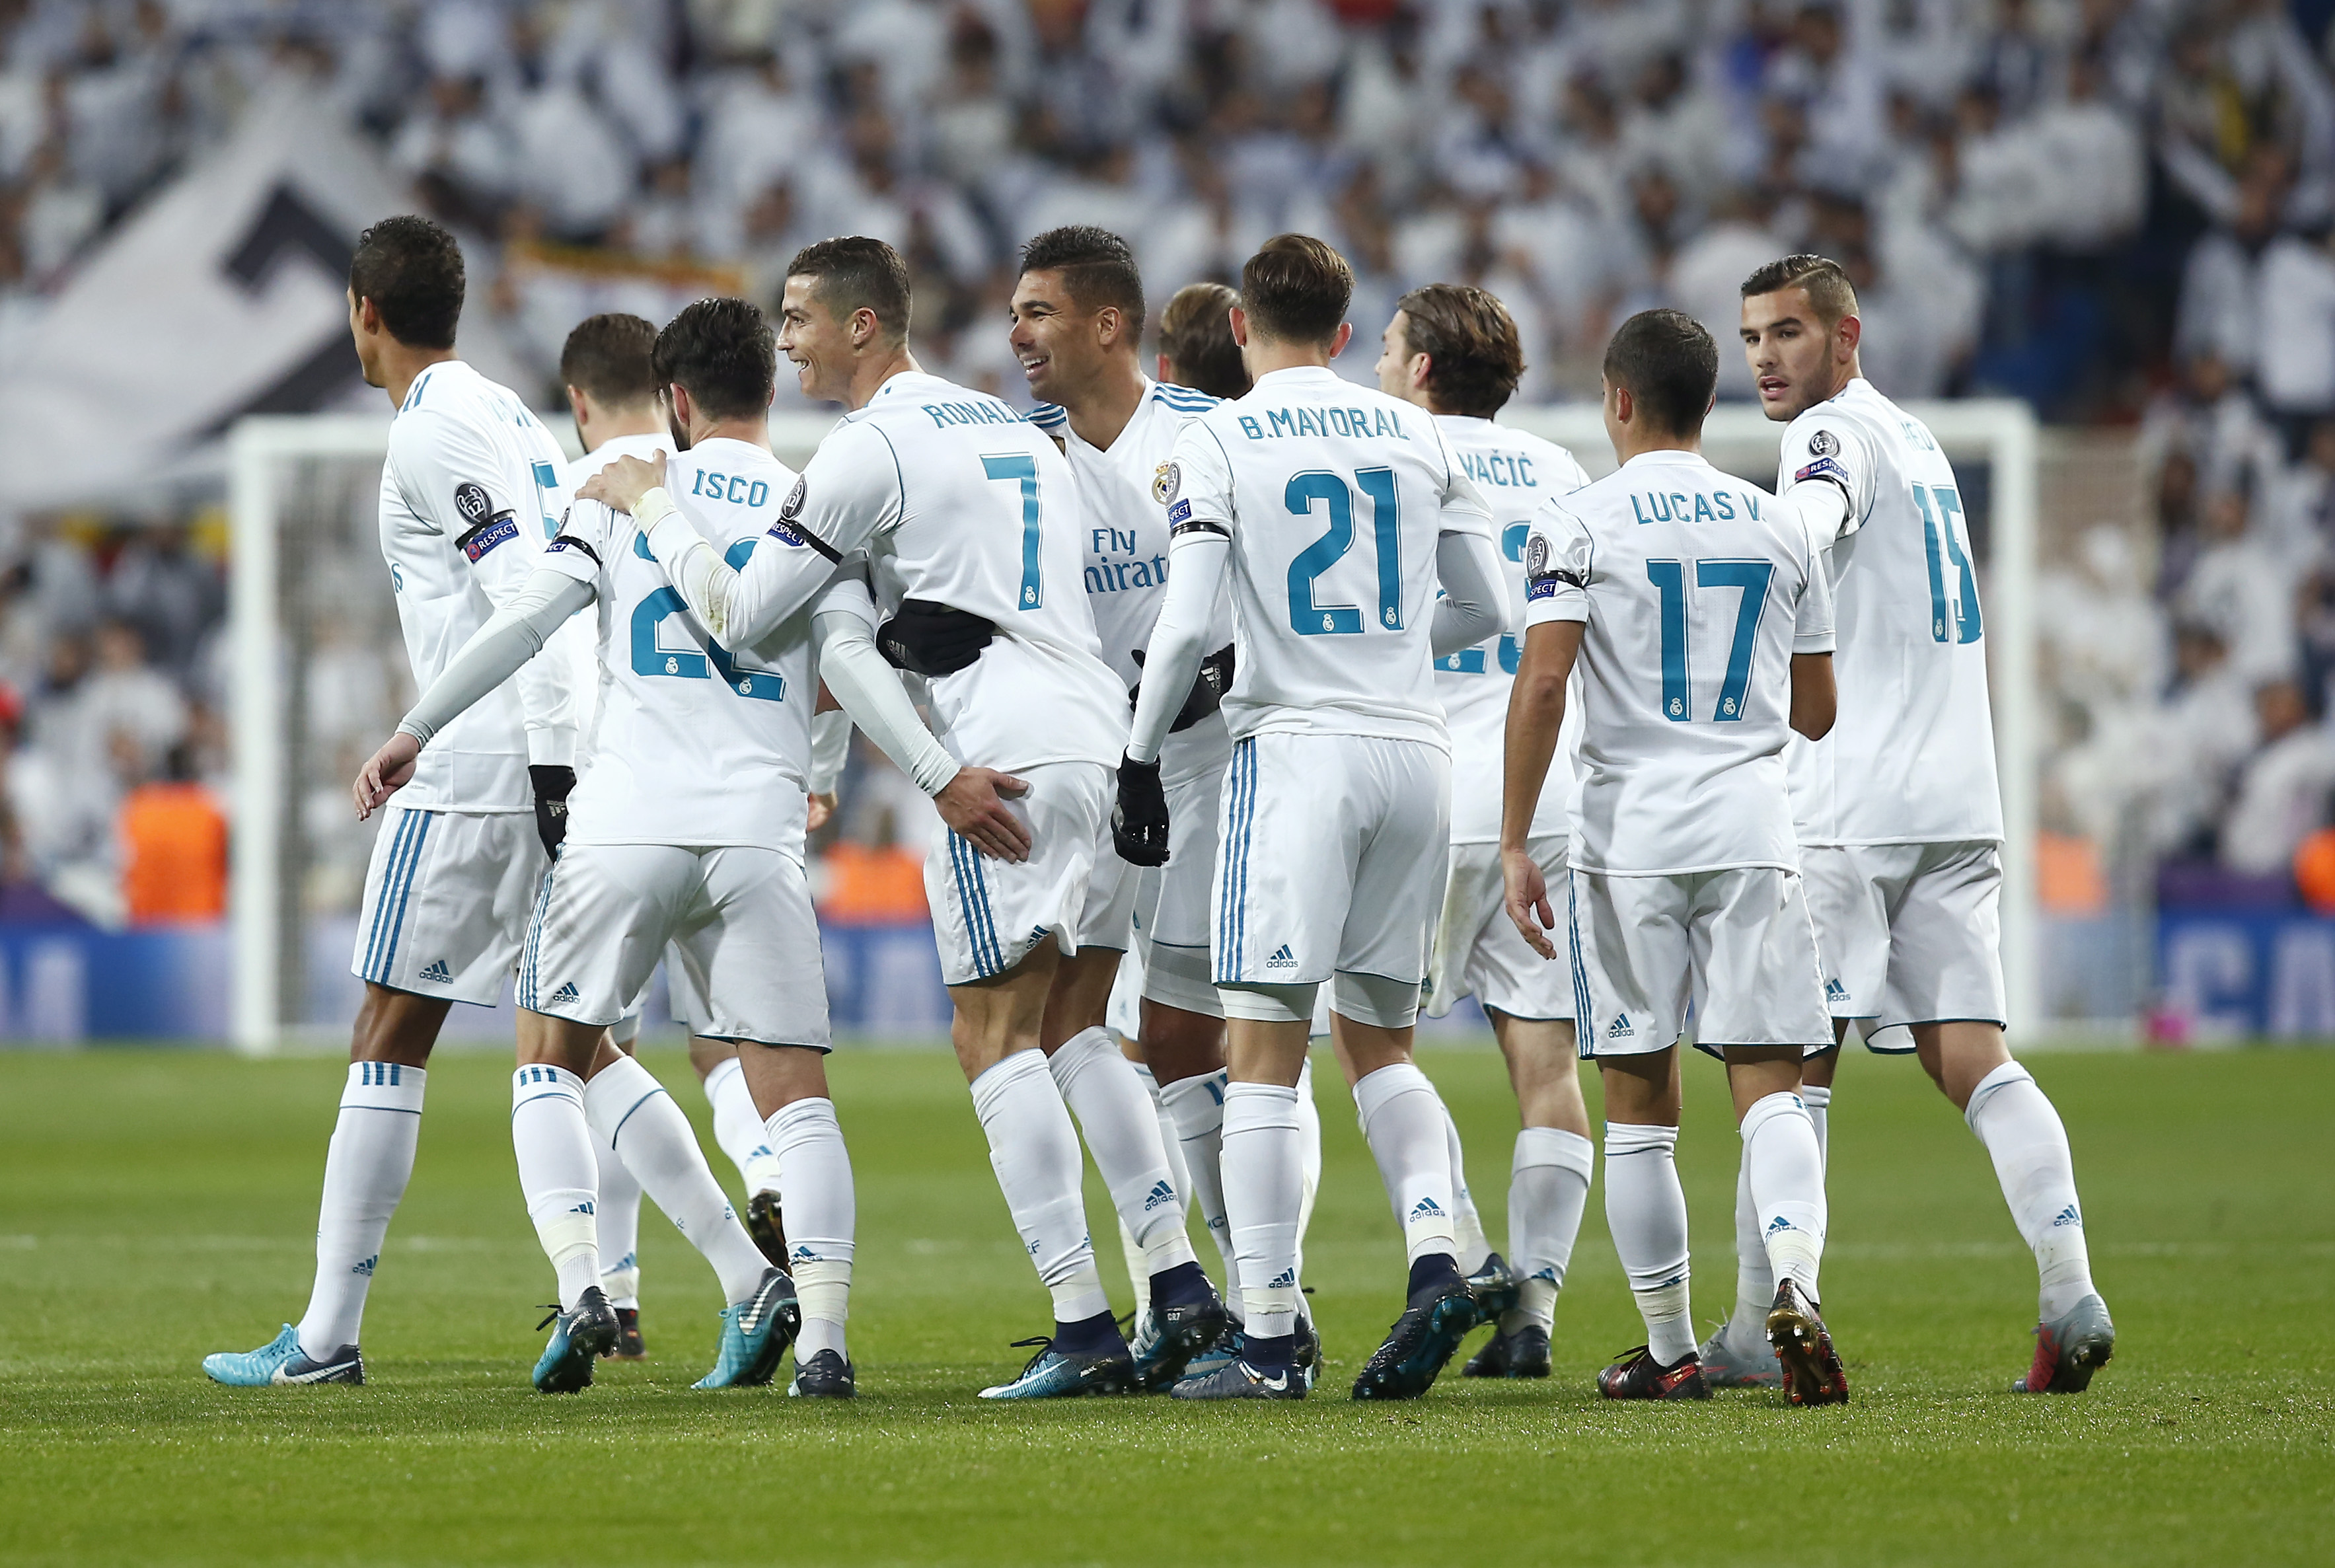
1476, 357
855, 273
1097, 267
1830, 294
1296, 288
721, 352
1669, 362
1196, 333
412, 270
612, 357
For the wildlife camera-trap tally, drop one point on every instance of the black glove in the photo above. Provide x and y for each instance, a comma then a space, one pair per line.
1139, 823
1207, 693
926, 638
552, 787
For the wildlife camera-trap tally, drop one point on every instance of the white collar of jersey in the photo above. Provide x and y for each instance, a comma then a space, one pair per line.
716, 443
1668, 455
1300, 376
901, 380
1465, 421
641, 445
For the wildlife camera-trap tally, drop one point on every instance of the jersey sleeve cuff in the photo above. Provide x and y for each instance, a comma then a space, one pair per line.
1566, 603
554, 746
570, 558
1813, 643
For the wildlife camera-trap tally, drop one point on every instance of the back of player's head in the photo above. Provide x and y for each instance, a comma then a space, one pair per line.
1097, 266
1669, 365
412, 270
1830, 294
1196, 333
1296, 288
855, 273
1476, 357
721, 352
611, 359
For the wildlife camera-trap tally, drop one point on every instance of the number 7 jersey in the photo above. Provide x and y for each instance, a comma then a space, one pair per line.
1910, 758
1697, 590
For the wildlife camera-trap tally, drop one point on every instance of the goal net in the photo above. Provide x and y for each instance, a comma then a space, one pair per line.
319, 676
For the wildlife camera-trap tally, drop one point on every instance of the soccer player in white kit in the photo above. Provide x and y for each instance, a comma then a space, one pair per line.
970, 520
470, 495
1698, 610
688, 830
1335, 511
1078, 323
1454, 351
1899, 816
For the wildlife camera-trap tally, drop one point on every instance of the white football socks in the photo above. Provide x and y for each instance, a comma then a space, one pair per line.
2022, 1133
366, 1168
1197, 1108
631, 1110
1263, 1159
1548, 1188
1034, 1150
1404, 1121
1101, 1088
1309, 1158
1755, 1282
738, 1127
815, 1188
1818, 1099
1645, 1208
1785, 1169
558, 1174
619, 1212
1474, 1245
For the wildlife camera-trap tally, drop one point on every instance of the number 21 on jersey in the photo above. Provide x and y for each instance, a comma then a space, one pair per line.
1330, 491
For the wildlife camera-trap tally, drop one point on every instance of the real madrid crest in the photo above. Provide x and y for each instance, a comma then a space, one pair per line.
1166, 483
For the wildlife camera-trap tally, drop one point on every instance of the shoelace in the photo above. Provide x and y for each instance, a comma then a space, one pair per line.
1045, 1344
554, 1308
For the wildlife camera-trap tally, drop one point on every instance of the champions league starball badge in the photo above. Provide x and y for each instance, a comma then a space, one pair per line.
1824, 443
1535, 557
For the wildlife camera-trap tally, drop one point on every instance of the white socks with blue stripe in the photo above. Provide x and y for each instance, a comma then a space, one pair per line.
1404, 1121
557, 1173
1645, 1208
1101, 1088
630, 1109
1783, 1167
1548, 1187
738, 1127
366, 1168
1034, 1150
1265, 1192
821, 1205
618, 1213
2022, 1133
1196, 1106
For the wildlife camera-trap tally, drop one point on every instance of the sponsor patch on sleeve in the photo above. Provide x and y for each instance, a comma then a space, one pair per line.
784, 532
1821, 466
479, 540
1543, 585
1181, 512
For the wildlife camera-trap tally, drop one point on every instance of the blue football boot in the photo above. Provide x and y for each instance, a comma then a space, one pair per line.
826, 1376
1423, 1340
1237, 1380
281, 1360
1054, 1374
1178, 1335
1495, 1288
579, 1337
754, 1334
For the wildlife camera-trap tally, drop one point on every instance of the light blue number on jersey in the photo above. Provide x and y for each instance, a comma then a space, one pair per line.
1940, 507
547, 479
1022, 466
1470, 660
1669, 579
648, 659
1308, 619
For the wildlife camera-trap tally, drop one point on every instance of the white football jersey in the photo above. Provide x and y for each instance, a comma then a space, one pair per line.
1334, 494
578, 639
1910, 758
471, 492
1697, 589
959, 500
1125, 541
693, 744
1515, 473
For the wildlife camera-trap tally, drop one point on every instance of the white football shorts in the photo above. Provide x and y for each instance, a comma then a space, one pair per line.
1909, 932
1739, 942
1173, 924
447, 897
1107, 918
1331, 860
738, 917
989, 914
1478, 950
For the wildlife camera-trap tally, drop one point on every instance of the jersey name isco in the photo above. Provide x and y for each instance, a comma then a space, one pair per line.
1267, 424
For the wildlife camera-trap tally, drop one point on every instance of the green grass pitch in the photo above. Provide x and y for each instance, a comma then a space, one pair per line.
156, 1206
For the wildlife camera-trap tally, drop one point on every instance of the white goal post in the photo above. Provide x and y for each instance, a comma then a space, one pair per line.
2001, 434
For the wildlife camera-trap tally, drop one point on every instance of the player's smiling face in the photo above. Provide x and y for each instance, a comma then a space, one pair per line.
1795, 361
819, 345
1057, 344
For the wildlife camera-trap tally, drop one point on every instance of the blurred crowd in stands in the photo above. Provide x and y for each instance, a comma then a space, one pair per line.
2118, 210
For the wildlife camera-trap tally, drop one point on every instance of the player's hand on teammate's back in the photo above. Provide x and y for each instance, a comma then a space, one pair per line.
389, 770
973, 805
621, 485
1527, 897
820, 812
1138, 822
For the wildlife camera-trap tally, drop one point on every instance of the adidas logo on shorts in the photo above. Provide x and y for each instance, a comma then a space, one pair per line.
439, 972
1619, 1028
1835, 991
1281, 958
567, 992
